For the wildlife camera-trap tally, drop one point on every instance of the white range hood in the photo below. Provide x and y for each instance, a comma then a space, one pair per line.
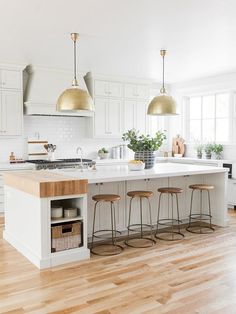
43, 86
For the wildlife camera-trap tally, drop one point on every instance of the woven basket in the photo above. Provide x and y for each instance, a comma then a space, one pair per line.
66, 236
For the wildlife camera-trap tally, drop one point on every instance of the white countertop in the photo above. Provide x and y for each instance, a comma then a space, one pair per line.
6, 166
121, 173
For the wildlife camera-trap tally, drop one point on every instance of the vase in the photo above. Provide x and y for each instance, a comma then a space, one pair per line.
148, 157
208, 155
199, 155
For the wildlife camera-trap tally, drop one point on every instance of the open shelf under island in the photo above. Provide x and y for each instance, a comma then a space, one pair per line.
29, 195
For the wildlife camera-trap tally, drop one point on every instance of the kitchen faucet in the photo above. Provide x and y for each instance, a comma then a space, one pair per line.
81, 156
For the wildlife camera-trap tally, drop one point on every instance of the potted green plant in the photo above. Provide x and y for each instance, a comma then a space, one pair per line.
208, 148
144, 146
199, 148
103, 153
218, 150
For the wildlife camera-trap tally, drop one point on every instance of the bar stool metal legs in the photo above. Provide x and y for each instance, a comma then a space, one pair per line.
196, 221
167, 234
146, 240
115, 248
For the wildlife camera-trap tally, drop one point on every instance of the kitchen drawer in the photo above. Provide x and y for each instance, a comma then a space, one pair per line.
108, 89
1, 198
137, 91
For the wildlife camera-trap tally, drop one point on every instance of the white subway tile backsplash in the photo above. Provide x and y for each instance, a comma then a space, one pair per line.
66, 132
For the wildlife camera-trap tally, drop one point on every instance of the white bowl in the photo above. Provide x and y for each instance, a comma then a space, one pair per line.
56, 212
70, 212
136, 167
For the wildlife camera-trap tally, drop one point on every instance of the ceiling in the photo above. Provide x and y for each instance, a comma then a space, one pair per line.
122, 37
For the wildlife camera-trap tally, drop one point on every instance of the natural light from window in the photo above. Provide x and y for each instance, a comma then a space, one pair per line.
209, 118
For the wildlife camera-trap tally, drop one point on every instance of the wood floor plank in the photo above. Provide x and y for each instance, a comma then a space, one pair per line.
196, 275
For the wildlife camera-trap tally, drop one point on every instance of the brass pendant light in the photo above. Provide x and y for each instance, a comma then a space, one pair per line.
163, 104
75, 98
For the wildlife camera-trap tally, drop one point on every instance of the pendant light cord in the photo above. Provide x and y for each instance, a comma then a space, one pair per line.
75, 60
163, 72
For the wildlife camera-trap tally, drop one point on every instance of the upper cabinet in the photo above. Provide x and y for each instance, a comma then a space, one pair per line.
11, 79
137, 91
108, 88
11, 113
11, 102
108, 118
119, 106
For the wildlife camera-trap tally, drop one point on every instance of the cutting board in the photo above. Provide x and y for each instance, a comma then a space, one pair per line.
178, 146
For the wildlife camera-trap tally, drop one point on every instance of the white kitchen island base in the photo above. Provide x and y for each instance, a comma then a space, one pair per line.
28, 227
28, 217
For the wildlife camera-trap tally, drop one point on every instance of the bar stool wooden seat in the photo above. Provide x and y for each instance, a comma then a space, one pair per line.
115, 248
147, 241
166, 234
196, 221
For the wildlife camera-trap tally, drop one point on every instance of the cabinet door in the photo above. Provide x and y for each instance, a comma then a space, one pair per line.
108, 88
142, 91
231, 197
141, 116
12, 113
11, 79
135, 115
129, 115
154, 124
101, 88
115, 89
113, 118
130, 90
107, 121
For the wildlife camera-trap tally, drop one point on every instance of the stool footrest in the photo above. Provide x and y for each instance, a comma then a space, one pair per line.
200, 229
103, 236
172, 233
120, 249
200, 216
168, 222
138, 227
128, 242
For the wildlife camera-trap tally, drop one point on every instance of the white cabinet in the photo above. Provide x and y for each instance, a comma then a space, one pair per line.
11, 79
108, 121
137, 91
231, 192
108, 88
11, 102
11, 113
103, 215
135, 115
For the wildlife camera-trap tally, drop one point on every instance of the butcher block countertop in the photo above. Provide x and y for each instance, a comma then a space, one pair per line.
45, 183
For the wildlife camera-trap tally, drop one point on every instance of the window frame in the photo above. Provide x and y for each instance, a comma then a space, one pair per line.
231, 118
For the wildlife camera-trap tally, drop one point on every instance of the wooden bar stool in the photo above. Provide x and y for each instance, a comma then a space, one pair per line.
147, 241
169, 222
200, 217
116, 248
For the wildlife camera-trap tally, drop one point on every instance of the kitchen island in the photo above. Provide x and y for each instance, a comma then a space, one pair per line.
28, 213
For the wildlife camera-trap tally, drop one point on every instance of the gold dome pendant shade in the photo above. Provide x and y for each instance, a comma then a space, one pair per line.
75, 98
163, 104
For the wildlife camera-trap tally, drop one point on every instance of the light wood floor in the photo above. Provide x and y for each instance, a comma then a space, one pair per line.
196, 275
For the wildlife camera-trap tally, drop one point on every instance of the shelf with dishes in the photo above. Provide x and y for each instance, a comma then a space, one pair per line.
66, 224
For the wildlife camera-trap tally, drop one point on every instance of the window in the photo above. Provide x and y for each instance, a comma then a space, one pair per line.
209, 118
